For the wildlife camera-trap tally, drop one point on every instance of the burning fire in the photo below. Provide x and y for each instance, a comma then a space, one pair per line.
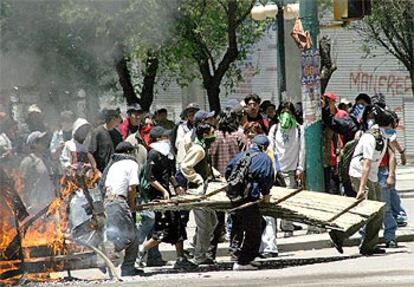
47, 230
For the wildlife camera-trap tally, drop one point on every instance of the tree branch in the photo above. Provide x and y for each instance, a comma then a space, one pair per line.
378, 39
232, 49
246, 13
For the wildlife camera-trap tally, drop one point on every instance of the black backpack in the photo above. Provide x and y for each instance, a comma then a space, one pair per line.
347, 154
240, 179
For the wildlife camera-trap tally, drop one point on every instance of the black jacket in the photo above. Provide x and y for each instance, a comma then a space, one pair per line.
347, 126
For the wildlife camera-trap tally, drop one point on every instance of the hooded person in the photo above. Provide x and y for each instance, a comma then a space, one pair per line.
37, 172
347, 126
287, 143
186, 126
197, 169
75, 151
246, 222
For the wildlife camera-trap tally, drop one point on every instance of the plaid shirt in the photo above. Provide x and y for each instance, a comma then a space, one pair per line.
224, 148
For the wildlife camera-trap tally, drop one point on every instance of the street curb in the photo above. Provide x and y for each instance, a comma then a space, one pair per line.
406, 193
276, 263
309, 242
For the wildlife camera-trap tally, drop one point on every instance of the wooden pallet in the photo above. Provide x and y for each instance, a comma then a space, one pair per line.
313, 208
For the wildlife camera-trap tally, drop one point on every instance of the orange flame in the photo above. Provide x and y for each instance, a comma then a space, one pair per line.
49, 230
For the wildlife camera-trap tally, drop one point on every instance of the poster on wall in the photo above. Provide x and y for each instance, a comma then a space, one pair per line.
311, 86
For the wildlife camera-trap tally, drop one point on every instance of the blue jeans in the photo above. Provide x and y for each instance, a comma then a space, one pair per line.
390, 224
145, 227
397, 210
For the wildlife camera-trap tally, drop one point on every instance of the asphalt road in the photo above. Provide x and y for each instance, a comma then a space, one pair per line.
395, 269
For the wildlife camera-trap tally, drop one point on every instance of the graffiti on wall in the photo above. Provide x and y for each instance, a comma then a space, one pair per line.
389, 84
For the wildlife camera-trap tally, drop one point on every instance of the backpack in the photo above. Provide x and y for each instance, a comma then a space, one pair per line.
347, 154
144, 183
240, 179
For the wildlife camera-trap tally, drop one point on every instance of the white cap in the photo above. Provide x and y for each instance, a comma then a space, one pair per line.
34, 136
345, 101
34, 109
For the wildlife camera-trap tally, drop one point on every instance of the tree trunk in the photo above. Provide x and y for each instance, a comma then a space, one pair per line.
327, 66
213, 94
412, 81
125, 81
147, 93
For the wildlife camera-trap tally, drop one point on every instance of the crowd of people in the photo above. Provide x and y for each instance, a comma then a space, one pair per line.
146, 157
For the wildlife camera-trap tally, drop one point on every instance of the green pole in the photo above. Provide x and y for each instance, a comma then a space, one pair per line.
314, 179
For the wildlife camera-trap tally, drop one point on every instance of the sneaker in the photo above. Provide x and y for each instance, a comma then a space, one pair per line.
336, 242
184, 263
131, 271
239, 267
374, 251
268, 255
188, 253
391, 244
141, 258
297, 227
402, 224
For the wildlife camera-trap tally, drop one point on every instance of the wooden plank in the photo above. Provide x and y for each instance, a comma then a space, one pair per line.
308, 207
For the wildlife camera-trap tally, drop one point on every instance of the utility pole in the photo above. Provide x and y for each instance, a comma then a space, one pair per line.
281, 64
312, 110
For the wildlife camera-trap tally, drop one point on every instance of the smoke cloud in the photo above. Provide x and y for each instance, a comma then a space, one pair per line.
51, 49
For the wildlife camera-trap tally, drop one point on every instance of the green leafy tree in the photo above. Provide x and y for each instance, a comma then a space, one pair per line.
391, 26
90, 43
215, 36
132, 32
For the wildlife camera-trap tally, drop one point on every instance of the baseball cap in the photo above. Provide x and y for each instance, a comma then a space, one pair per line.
261, 140
159, 131
364, 97
231, 103
124, 147
34, 109
35, 136
193, 106
330, 95
110, 113
345, 101
134, 107
202, 115
159, 110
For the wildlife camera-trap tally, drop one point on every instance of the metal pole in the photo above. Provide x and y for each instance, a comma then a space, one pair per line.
311, 99
281, 65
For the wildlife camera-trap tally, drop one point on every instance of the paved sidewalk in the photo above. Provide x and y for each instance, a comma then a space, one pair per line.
405, 181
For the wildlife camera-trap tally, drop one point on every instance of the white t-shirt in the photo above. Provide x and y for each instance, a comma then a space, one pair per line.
121, 176
365, 149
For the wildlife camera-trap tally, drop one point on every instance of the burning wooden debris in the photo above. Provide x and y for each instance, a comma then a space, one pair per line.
44, 242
